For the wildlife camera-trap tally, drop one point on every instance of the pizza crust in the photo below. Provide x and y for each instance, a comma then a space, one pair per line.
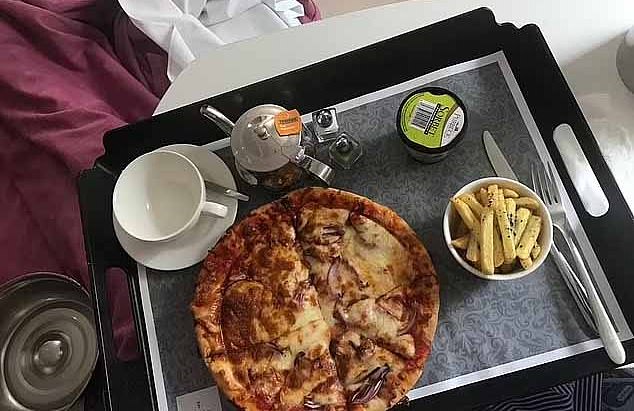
287, 293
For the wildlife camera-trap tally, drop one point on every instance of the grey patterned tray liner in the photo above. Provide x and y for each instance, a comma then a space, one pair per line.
481, 323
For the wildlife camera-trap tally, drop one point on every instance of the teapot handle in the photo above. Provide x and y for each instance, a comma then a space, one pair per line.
218, 118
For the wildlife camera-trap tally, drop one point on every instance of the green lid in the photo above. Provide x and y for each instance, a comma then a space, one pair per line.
432, 118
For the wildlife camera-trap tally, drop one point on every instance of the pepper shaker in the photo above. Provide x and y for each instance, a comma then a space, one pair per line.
345, 151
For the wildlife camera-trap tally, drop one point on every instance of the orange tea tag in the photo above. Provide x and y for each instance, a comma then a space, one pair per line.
288, 123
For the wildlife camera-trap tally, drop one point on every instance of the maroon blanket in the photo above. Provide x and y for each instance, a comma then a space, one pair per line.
61, 87
70, 71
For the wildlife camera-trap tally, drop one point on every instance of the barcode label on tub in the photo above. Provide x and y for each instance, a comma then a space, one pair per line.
424, 114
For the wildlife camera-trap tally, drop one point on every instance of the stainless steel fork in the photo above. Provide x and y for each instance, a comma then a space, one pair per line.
546, 187
577, 290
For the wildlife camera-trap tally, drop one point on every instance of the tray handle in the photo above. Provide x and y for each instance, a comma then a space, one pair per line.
124, 383
120, 385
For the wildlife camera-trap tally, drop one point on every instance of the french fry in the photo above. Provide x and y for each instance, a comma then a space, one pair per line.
467, 215
506, 232
461, 242
483, 196
498, 250
526, 262
537, 249
486, 242
506, 268
462, 229
508, 193
527, 202
475, 206
473, 250
521, 219
500, 199
510, 211
492, 196
529, 237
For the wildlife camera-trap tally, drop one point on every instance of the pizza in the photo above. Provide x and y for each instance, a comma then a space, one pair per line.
322, 300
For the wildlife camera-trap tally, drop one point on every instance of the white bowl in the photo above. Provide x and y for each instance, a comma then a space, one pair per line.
546, 234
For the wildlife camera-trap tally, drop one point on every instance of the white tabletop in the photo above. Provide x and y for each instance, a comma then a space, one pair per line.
582, 34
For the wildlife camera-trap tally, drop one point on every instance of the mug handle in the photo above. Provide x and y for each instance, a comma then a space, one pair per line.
215, 209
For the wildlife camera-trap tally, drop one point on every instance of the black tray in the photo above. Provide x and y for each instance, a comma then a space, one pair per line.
129, 385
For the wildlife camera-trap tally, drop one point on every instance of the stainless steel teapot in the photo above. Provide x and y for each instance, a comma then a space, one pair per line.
264, 156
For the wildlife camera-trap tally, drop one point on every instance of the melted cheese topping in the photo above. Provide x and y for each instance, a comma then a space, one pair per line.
370, 260
374, 322
380, 260
368, 263
312, 222
321, 230
313, 368
252, 314
277, 266
358, 356
292, 368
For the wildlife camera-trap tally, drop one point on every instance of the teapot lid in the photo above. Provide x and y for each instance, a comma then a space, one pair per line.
256, 143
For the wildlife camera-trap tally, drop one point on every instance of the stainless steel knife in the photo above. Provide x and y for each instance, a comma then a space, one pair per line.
496, 157
217, 188
579, 294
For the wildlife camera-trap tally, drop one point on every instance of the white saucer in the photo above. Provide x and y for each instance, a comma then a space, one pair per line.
192, 246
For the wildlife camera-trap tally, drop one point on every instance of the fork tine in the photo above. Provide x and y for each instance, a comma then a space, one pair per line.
548, 185
541, 175
553, 184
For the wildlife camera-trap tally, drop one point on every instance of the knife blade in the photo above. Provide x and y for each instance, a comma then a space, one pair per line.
496, 157
579, 294
217, 188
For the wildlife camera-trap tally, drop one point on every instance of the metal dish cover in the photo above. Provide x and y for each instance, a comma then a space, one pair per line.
48, 342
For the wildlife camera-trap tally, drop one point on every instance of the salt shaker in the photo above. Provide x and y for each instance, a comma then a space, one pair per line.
325, 124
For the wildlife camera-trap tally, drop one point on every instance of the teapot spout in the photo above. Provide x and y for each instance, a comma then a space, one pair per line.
218, 118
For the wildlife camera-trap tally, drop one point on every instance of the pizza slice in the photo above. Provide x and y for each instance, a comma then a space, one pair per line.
293, 372
378, 257
351, 256
253, 314
373, 377
269, 252
363, 276
253, 286
403, 320
378, 228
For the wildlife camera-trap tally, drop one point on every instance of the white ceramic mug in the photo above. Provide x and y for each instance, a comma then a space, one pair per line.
160, 195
